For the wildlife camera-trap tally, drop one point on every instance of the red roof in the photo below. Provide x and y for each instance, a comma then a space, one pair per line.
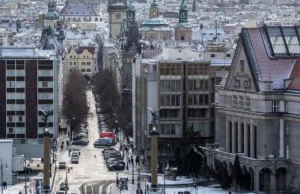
295, 75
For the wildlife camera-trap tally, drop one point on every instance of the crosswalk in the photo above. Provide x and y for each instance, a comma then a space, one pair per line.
98, 187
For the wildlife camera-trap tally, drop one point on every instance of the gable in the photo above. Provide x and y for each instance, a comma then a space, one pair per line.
240, 76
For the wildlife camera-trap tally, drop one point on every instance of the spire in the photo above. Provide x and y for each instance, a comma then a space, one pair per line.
154, 4
130, 12
194, 6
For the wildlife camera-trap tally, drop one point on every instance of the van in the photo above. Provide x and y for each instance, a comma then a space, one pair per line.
107, 134
102, 142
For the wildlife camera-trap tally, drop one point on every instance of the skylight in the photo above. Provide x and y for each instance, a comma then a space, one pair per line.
276, 40
291, 39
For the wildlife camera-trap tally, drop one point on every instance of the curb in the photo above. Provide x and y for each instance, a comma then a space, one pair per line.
178, 185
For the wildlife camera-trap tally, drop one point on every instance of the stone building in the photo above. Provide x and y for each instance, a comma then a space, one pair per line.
257, 109
116, 10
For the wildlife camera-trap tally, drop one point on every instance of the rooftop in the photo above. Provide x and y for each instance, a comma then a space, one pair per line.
78, 10
21, 52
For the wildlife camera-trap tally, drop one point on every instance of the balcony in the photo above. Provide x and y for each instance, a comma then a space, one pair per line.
229, 157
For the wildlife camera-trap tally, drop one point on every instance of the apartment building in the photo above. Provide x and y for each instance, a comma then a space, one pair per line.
28, 83
84, 59
257, 109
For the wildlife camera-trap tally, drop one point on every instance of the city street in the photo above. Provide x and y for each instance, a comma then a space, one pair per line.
90, 175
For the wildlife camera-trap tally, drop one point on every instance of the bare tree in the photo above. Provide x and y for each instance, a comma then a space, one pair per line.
110, 101
75, 108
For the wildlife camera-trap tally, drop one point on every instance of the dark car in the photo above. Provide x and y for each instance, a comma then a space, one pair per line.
116, 166
62, 165
75, 160
64, 186
79, 136
81, 142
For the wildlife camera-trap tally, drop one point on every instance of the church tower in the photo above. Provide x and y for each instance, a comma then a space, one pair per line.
153, 10
52, 16
183, 29
116, 10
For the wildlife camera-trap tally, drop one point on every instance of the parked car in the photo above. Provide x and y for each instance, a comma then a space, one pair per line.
107, 134
80, 136
116, 166
75, 160
75, 154
81, 142
62, 165
103, 142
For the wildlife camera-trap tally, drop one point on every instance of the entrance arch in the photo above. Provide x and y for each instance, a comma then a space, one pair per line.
281, 179
264, 179
182, 38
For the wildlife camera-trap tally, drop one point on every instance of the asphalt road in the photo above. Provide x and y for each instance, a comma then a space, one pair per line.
90, 175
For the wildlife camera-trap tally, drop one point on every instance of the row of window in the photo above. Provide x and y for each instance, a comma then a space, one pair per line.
15, 118
170, 129
82, 70
170, 85
74, 57
19, 72
197, 85
82, 63
198, 69
241, 101
19, 95
198, 99
170, 69
170, 100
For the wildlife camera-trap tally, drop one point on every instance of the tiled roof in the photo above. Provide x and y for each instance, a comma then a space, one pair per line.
151, 53
295, 85
275, 70
78, 10
295, 75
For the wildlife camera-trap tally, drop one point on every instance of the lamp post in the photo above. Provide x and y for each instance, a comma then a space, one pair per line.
132, 172
2, 165
25, 176
154, 135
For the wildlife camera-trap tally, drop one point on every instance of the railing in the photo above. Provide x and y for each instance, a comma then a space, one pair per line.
243, 160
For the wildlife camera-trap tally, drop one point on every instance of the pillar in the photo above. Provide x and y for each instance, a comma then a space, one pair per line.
256, 180
227, 136
154, 134
273, 181
233, 143
252, 141
46, 170
239, 137
246, 139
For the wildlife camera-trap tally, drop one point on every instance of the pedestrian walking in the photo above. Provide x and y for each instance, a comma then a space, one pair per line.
147, 188
143, 160
62, 147
5, 184
128, 160
131, 160
67, 143
137, 160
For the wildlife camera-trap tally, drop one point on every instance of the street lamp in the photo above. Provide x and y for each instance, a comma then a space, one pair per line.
132, 172
2, 165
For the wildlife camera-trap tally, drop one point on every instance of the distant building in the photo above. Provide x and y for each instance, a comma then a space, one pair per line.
84, 59
80, 12
28, 83
155, 27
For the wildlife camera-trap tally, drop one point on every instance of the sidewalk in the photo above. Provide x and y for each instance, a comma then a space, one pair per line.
131, 188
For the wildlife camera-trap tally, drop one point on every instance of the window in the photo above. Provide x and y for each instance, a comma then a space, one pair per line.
20, 118
74, 63
10, 118
82, 70
88, 63
71, 57
242, 101
82, 63
275, 106
242, 65
45, 84
235, 101
247, 83
88, 70
10, 130
237, 83
70, 63
247, 102
212, 55
228, 55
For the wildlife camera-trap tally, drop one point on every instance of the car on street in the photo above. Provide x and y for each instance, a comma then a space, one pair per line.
83, 141
62, 165
75, 160
116, 166
79, 136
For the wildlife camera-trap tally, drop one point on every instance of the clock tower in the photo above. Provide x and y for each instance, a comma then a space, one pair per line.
116, 10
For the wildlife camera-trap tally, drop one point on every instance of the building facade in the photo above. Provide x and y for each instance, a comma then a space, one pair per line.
257, 109
84, 59
28, 84
116, 10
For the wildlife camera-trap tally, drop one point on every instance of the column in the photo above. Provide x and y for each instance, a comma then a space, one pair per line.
227, 136
273, 181
246, 139
252, 141
239, 136
233, 142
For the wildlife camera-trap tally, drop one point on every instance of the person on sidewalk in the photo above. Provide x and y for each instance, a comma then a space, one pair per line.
128, 160
5, 184
68, 144
137, 160
131, 160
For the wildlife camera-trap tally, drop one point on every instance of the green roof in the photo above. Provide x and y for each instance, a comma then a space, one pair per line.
155, 22
185, 25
